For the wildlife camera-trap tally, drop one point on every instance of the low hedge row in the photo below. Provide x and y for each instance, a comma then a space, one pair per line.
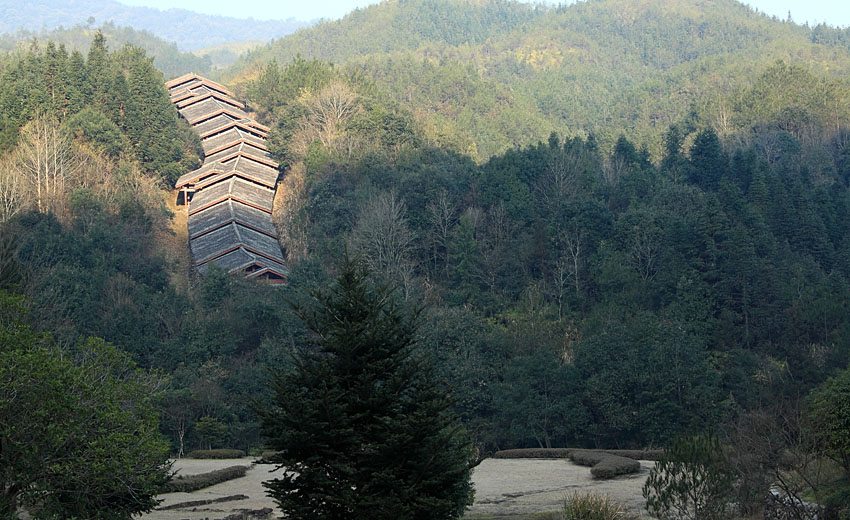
534, 453
605, 465
587, 457
562, 453
637, 454
215, 454
203, 480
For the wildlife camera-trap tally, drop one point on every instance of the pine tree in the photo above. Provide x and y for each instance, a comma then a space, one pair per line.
709, 163
97, 69
361, 425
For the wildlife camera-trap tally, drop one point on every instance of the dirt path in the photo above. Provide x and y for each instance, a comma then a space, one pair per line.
503, 487
176, 244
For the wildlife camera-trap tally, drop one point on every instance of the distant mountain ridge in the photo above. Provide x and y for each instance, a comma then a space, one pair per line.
167, 58
188, 29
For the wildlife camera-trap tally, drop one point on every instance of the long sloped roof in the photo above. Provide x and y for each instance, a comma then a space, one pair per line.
230, 222
239, 166
242, 148
231, 135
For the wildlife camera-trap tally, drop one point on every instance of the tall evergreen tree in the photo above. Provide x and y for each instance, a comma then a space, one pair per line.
97, 68
361, 425
708, 161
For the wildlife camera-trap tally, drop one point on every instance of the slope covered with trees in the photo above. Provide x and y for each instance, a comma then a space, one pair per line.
511, 73
581, 295
609, 287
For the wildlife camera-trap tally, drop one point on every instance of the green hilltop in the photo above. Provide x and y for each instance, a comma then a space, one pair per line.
487, 75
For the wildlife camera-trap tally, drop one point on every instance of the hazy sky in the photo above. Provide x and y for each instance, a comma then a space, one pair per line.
834, 12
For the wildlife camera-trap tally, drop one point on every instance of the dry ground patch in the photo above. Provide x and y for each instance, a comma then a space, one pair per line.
503, 488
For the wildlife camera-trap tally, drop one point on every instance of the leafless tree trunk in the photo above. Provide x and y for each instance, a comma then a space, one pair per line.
560, 281
442, 217
495, 241
46, 160
723, 119
383, 237
329, 109
645, 248
573, 243
12, 193
560, 181
613, 171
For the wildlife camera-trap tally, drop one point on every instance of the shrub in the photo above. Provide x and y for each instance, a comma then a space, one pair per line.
611, 466
562, 453
586, 457
266, 457
637, 454
691, 481
605, 465
534, 453
215, 454
203, 480
594, 506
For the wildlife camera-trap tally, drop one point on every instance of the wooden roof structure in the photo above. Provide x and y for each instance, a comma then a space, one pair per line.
231, 195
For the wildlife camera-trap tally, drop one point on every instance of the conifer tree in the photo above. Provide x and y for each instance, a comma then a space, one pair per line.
97, 69
362, 427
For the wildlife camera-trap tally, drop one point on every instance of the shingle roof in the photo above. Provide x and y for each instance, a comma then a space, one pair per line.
227, 212
209, 108
236, 188
224, 122
229, 220
198, 97
247, 150
242, 167
229, 136
190, 80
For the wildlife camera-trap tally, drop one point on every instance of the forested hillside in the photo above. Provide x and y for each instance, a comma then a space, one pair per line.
621, 222
188, 29
510, 74
166, 57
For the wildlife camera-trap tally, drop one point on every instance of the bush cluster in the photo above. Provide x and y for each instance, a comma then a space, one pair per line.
603, 464
563, 453
636, 454
215, 454
203, 480
534, 453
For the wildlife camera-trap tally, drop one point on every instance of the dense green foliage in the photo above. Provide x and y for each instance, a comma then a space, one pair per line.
584, 291
101, 97
605, 300
576, 295
361, 425
828, 415
496, 74
79, 436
